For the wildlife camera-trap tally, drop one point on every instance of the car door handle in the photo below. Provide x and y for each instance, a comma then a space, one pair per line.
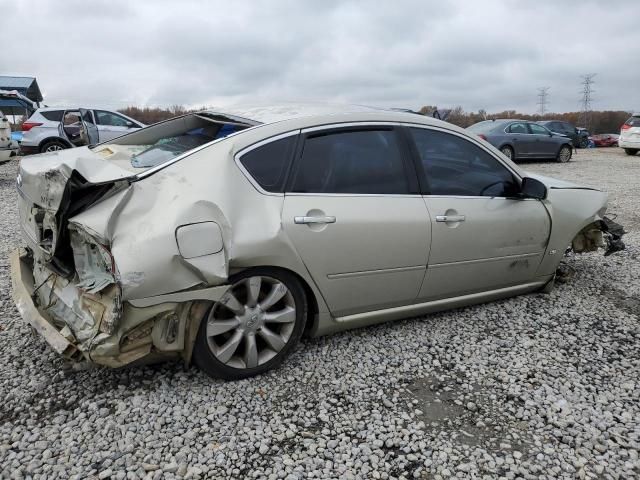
450, 218
307, 220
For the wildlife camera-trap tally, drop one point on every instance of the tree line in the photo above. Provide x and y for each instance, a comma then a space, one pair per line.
599, 121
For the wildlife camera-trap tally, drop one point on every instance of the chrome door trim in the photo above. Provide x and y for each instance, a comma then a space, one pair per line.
363, 273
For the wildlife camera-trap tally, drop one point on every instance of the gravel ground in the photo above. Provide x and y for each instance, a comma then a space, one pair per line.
539, 386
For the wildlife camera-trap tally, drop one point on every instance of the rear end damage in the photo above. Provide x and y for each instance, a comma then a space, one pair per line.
66, 281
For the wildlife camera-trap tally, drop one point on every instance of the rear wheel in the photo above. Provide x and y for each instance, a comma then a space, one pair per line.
53, 146
564, 155
507, 151
253, 327
630, 151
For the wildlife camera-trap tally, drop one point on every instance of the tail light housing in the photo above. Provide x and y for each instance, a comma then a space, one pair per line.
26, 126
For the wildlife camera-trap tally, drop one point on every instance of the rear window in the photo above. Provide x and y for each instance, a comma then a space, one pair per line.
482, 127
53, 115
267, 163
633, 122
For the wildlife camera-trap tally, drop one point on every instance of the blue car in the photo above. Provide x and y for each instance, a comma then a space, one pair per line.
520, 140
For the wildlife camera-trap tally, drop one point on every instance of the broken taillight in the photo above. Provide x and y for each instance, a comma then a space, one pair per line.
26, 126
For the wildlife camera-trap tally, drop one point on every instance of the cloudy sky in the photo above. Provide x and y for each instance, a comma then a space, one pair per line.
490, 54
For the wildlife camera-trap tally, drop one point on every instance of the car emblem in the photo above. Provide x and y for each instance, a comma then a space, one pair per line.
253, 321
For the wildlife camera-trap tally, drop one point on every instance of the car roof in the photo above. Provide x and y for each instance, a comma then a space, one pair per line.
272, 113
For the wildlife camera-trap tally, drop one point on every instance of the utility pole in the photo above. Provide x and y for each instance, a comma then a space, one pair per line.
587, 92
543, 96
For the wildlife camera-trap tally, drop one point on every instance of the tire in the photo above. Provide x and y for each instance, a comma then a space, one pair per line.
239, 337
564, 155
583, 143
508, 152
53, 146
630, 151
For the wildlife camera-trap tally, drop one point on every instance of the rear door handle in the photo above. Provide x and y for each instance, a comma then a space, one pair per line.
308, 220
450, 218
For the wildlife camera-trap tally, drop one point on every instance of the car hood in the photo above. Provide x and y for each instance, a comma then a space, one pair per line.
551, 182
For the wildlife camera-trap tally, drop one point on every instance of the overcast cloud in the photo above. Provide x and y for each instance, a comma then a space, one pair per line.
490, 54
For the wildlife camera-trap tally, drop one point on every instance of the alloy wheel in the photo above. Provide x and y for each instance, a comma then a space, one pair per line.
251, 323
53, 148
565, 154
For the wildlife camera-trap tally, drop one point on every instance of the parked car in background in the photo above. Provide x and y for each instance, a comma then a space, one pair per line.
50, 129
605, 139
520, 139
230, 233
8, 147
630, 135
579, 136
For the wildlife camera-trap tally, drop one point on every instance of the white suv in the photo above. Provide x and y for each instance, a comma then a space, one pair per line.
630, 135
57, 128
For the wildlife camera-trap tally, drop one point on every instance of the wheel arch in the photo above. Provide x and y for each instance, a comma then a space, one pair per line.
312, 294
52, 139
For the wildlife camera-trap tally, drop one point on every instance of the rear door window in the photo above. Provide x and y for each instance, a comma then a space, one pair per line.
453, 166
267, 164
352, 161
517, 128
538, 129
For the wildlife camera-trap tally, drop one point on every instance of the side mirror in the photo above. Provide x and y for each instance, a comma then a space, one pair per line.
532, 188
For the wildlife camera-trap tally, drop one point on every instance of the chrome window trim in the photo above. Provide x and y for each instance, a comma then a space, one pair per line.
238, 157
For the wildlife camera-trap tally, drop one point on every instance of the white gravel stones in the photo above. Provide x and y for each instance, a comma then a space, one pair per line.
539, 386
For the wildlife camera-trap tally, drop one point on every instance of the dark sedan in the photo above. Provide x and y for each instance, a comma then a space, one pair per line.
519, 139
579, 136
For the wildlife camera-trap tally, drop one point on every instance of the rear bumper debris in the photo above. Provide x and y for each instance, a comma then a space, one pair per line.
23, 288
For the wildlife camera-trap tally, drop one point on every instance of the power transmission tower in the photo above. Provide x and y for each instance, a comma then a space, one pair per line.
543, 100
587, 92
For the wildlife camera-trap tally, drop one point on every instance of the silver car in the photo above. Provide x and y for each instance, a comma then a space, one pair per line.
56, 128
223, 237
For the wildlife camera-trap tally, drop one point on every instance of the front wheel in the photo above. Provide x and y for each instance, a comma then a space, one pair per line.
630, 151
564, 155
254, 326
584, 142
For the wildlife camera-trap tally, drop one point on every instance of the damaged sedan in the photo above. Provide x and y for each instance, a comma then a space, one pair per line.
221, 237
